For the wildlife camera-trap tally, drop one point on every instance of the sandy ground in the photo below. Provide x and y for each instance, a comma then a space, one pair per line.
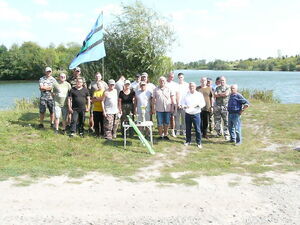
98, 199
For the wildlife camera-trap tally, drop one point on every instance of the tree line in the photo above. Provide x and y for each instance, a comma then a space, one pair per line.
284, 63
136, 41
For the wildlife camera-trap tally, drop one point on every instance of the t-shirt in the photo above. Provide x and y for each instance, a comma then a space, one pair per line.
61, 91
183, 89
207, 94
93, 86
79, 98
49, 82
162, 98
111, 102
143, 98
222, 101
127, 99
98, 105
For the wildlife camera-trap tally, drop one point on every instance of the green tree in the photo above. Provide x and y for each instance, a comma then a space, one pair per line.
138, 41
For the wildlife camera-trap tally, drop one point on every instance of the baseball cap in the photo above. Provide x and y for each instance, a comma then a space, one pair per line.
111, 81
48, 69
127, 82
77, 69
144, 74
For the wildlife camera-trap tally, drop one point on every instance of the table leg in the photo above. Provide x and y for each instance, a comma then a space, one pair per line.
151, 138
124, 137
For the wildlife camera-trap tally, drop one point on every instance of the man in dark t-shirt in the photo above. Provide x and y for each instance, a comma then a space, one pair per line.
78, 103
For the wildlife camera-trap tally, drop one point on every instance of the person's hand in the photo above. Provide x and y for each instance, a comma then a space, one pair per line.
104, 114
87, 109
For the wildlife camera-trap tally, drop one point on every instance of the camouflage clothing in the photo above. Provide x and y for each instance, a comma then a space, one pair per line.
46, 99
221, 113
220, 110
111, 122
46, 103
222, 100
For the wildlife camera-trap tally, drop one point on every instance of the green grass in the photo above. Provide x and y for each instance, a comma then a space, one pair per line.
26, 150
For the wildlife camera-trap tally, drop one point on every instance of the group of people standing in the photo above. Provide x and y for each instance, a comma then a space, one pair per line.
178, 106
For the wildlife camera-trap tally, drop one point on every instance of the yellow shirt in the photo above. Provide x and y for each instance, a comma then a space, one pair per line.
98, 105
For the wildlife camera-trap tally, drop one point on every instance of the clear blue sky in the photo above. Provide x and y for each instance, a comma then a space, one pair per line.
205, 29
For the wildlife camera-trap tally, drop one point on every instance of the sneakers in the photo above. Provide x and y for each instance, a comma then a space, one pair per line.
199, 146
227, 138
173, 133
56, 131
41, 126
52, 125
63, 132
81, 135
72, 135
186, 143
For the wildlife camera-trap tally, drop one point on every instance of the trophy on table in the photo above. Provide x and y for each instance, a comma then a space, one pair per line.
143, 113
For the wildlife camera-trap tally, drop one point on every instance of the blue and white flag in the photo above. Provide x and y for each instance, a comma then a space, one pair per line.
93, 45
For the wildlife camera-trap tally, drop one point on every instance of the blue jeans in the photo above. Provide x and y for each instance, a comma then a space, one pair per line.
194, 120
235, 127
163, 118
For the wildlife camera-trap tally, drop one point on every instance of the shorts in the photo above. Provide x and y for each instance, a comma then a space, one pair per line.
46, 103
61, 111
163, 118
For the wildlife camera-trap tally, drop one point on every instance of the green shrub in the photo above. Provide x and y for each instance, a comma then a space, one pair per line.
25, 104
266, 96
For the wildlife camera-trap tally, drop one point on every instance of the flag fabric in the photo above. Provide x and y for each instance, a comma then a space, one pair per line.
93, 45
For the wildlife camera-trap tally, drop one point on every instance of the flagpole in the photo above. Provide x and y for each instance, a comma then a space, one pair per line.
103, 68
103, 57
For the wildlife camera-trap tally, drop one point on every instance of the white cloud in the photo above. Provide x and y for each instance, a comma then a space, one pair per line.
40, 2
54, 16
232, 4
17, 36
110, 9
8, 13
188, 13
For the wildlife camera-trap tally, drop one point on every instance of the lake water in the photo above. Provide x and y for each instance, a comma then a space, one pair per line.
286, 85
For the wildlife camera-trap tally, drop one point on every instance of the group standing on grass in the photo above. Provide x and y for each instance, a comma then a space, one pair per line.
178, 106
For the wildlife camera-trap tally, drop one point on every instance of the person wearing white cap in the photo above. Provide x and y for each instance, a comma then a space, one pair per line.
126, 104
110, 111
46, 100
149, 85
143, 102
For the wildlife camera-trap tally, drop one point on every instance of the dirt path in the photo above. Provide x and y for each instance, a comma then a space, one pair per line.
98, 199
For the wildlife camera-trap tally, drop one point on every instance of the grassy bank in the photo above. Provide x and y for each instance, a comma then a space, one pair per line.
270, 131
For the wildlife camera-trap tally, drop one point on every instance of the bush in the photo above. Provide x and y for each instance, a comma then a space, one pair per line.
266, 96
25, 104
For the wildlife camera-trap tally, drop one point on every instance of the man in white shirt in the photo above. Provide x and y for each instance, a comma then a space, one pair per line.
192, 104
183, 88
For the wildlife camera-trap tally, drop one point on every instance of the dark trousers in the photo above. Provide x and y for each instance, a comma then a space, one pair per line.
98, 123
204, 122
78, 118
194, 120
